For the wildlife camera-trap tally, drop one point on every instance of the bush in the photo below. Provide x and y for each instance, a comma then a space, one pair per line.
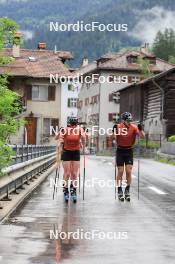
171, 139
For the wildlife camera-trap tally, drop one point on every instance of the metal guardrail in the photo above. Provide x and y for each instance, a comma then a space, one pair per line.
28, 152
15, 185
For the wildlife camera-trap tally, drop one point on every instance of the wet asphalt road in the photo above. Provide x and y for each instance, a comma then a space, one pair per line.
142, 231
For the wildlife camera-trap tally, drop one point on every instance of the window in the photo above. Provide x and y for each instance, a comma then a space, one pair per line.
135, 79
86, 101
79, 104
72, 102
111, 97
71, 87
39, 93
47, 123
112, 117
46, 126
95, 99
132, 59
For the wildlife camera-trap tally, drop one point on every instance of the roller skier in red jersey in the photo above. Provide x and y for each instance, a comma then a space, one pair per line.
124, 154
70, 139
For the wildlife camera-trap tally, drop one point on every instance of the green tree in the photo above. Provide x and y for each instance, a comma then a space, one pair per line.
171, 59
145, 68
164, 44
9, 106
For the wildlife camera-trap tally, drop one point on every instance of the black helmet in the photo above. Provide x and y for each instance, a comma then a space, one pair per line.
126, 116
73, 120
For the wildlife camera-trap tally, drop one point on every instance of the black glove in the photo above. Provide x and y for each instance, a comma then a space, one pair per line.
140, 127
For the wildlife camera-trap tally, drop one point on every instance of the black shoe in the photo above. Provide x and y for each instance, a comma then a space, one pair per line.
127, 195
66, 194
73, 195
120, 195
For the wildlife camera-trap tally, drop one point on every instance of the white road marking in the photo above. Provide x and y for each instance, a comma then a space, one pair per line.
110, 163
156, 190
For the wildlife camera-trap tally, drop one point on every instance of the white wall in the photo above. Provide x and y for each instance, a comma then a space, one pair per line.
65, 110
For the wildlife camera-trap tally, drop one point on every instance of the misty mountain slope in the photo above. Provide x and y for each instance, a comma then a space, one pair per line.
32, 13
144, 19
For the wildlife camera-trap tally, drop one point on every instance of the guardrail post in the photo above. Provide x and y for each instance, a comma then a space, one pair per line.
16, 189
7, 197
27, 182
22, 184
22, 155
27, 152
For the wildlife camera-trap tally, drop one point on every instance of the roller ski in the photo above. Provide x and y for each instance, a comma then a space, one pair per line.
73, 195
121, 197
66, 195
127, 194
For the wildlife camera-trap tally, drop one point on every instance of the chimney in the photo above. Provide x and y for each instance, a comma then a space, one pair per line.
145, 48
85, 62
41, 45
16, 45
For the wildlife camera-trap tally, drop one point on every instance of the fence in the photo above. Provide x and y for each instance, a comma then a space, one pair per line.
151, 141
27, 152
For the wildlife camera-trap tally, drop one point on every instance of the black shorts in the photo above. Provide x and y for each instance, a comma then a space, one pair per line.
70, 155
124, 156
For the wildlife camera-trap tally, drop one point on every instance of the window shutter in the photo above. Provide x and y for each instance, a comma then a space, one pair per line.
129, 79
28, 91
51, 93
68, 102
110, 117
110, 97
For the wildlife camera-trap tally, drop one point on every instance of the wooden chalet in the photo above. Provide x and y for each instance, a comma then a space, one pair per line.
153, 102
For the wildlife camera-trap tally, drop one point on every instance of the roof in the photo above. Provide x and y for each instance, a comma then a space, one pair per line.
46, 62
114, 61
146, 81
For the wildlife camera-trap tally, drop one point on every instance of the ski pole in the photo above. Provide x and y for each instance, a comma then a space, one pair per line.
79, 181
115, 164
55, 183
138, 179
56, 176
84, 171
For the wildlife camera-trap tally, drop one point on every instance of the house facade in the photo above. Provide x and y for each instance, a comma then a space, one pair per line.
152, 101
99, 102
44, 103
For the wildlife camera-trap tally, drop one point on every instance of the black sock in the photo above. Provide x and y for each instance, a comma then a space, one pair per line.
127, 188
66, 190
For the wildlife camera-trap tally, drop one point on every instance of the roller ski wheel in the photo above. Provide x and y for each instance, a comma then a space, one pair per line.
127, 197
121, 197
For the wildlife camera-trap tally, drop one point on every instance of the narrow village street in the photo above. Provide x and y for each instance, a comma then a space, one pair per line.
144, 229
